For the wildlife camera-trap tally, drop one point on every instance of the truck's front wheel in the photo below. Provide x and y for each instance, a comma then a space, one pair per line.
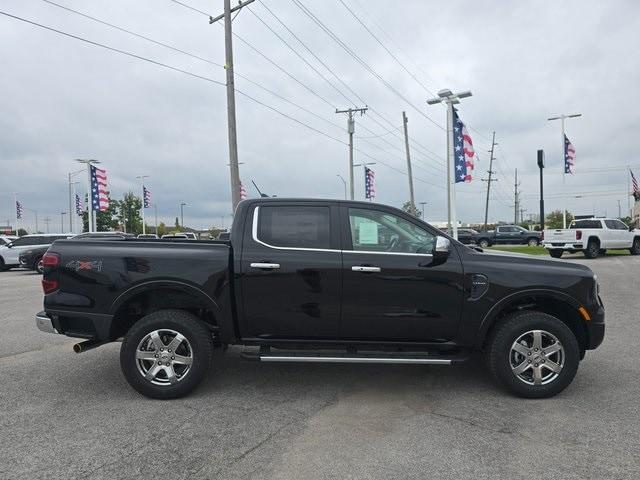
166, 354
556, 252
533, 354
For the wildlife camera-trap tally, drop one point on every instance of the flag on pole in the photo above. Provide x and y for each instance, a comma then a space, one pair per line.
147, 197
79, 206
99, 193
569, 155
636, 190
462, 150
369, 183
243, 192
19, 210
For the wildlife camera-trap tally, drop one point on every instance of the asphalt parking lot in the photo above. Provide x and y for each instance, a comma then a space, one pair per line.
66, 416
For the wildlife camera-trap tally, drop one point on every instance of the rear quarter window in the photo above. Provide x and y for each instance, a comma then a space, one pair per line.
586, 224
294, 226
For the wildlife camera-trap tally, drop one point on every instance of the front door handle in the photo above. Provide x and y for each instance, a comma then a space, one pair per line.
265, 266
362, 268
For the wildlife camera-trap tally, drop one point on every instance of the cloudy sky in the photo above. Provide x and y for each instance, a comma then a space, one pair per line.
524, 61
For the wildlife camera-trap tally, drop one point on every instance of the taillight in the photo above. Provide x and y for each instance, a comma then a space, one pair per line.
49, 285
578, 234
50, 259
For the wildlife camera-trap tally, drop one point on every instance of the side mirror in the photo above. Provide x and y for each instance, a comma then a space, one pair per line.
632, 228
442, 247
9, 245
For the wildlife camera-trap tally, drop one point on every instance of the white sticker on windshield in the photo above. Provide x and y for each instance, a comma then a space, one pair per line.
368, 233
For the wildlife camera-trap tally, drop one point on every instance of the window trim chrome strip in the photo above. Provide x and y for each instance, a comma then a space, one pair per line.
254, 234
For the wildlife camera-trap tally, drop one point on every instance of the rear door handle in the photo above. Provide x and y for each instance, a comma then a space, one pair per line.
362, 268
265, 266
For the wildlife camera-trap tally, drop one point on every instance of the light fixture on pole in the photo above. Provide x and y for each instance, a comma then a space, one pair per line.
345, 185
450, 99
90, 213
142, 177
564, 173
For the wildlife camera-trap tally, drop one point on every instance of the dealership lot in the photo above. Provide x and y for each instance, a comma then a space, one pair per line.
73, 416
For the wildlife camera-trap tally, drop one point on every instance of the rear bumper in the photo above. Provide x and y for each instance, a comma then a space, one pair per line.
562, 246
44, 323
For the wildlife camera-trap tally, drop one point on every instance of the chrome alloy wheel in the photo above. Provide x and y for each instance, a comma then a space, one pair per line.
164, 357
536, 357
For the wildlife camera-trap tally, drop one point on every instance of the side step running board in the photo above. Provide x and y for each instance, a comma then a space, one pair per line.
382, 358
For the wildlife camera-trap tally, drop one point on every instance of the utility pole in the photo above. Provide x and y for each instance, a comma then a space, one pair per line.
619, 211
517, 199
351, 128
234, 169
564, 160
522, 210
155, 211
450, 99
405, 120
46, 222
489, 180
62, 214
182, 204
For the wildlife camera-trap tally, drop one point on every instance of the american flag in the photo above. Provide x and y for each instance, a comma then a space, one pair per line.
99, 193
147, 197
462, 150
79, 206
369, 183
243, 192
636, 190
569, 156
19, 210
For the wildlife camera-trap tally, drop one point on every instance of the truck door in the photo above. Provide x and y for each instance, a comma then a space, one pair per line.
392, 290
290, 271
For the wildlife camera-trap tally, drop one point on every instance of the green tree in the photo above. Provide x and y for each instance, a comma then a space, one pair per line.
627, 220
105, 221
411, 210
554, 219
162, 229
129, 213
214, 232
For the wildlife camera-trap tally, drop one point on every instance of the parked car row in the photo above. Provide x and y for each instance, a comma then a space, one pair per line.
502, 235
27, 251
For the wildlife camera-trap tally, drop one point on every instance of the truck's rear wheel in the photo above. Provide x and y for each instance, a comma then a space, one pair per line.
534, 355
483, 243
166, 354
635, 248
533, 242
592, 250
556, 253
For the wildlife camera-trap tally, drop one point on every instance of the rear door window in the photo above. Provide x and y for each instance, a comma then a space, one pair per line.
294, 226
586, 224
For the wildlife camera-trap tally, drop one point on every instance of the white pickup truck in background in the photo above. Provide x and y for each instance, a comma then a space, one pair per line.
592, 236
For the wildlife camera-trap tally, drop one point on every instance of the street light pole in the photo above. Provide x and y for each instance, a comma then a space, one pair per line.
182, 204
364, 169
345, 185
564, 170
62, 214
450, 99
423, 204
90, 212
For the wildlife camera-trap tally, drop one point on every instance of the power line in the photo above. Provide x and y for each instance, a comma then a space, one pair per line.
345, 47
385, 47
191, 8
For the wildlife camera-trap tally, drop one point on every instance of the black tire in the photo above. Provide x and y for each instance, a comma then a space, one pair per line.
483, 243
500, 353
635, 248
592, 250
556, 253
602, 251
3, 267
37, 266
199, 341
533, 242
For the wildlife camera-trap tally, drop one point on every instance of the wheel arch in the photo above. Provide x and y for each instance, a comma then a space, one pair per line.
558, 304
149, 297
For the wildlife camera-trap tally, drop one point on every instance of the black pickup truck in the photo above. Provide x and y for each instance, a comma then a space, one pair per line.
508, 234
322, 281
